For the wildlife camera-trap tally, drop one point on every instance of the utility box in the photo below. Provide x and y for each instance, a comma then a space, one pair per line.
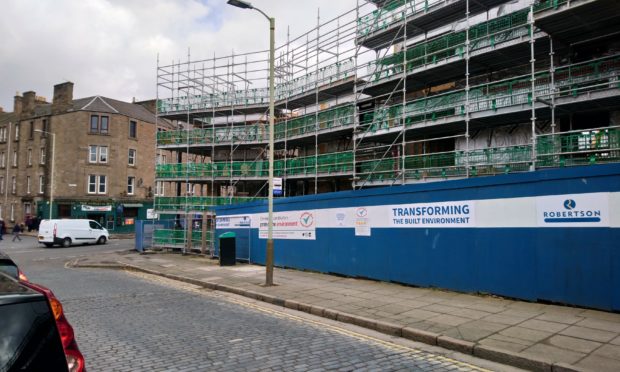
228, 249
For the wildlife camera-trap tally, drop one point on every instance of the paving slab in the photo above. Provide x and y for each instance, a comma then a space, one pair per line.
500, 337
573, 343
609, 351
560, 318
419, 314
502, 328
604, 325
506, 318
553, 353
598, 363
602, 315
486, 325
468, 333
525, 334
502, 345
589, 333
542, 325
450, 320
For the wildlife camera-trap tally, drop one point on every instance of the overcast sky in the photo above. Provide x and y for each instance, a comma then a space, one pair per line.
110, 47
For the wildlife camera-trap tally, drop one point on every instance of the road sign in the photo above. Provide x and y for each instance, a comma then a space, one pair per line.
277, 186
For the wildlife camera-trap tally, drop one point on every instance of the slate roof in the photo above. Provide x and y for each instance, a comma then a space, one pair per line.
6, 117
98, 104
112, 106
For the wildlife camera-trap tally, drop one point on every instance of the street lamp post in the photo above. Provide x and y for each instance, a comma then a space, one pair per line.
272, 26
51, 168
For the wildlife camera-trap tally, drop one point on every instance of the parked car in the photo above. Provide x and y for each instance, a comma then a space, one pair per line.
35, 333
8, 267
68, 232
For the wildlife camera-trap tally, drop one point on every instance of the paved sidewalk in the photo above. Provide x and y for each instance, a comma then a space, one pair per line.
527, 335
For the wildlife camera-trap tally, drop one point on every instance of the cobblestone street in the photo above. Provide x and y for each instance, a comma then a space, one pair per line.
136, 322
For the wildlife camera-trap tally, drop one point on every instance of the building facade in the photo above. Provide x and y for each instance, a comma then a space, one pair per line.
398, 92
77, 158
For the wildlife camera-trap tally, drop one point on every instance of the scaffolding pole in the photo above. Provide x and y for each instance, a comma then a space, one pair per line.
533, 85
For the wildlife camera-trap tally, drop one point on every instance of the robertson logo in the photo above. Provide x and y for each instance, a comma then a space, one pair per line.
569, 204
572, 214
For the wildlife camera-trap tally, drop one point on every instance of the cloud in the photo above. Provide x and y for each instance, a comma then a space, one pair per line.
110, 47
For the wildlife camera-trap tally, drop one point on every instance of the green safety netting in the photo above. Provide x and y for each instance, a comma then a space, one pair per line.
541, 5
452, 44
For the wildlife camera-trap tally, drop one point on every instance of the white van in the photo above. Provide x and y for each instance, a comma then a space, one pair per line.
67, 232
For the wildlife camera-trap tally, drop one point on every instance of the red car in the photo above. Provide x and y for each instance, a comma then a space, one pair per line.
35, 333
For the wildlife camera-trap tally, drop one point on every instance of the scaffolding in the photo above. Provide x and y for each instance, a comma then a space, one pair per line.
391, 92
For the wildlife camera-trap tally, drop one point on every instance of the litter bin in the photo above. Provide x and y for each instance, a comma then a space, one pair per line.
228, 249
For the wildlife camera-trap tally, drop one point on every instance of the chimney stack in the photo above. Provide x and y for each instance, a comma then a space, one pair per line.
17, 104
63, 97
148, 104
29, 103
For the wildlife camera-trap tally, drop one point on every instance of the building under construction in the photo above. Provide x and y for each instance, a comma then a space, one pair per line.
392, 93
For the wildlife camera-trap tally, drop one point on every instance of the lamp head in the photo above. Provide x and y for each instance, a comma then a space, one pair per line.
240, 4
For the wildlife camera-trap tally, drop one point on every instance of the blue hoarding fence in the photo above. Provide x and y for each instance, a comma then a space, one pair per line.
547, 235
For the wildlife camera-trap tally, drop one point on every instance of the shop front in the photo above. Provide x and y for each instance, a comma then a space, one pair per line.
116, 216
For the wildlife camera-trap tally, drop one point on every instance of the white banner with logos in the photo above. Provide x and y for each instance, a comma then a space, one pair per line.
549, 211
300, 225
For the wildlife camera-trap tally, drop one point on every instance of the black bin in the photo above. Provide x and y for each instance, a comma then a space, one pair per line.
228, 249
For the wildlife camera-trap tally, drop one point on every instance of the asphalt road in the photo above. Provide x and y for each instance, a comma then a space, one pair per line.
135, 322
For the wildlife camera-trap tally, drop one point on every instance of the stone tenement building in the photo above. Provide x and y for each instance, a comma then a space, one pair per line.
99, 166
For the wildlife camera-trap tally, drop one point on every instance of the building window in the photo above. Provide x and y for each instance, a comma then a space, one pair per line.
42, 157
133, 129
92, 184
131, 182
99, 124
96, 184
41, 185
102, 185
190, 189
28, 184
27, 209
16, 132
1, 185
161, 159
2, 160
92, 154
13, 185
104, 125
29, 156
31, 132
44, 126
14, 158
97, 154
132, 157
3, 134
12, 212
159, 188
94, 124
103, 154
